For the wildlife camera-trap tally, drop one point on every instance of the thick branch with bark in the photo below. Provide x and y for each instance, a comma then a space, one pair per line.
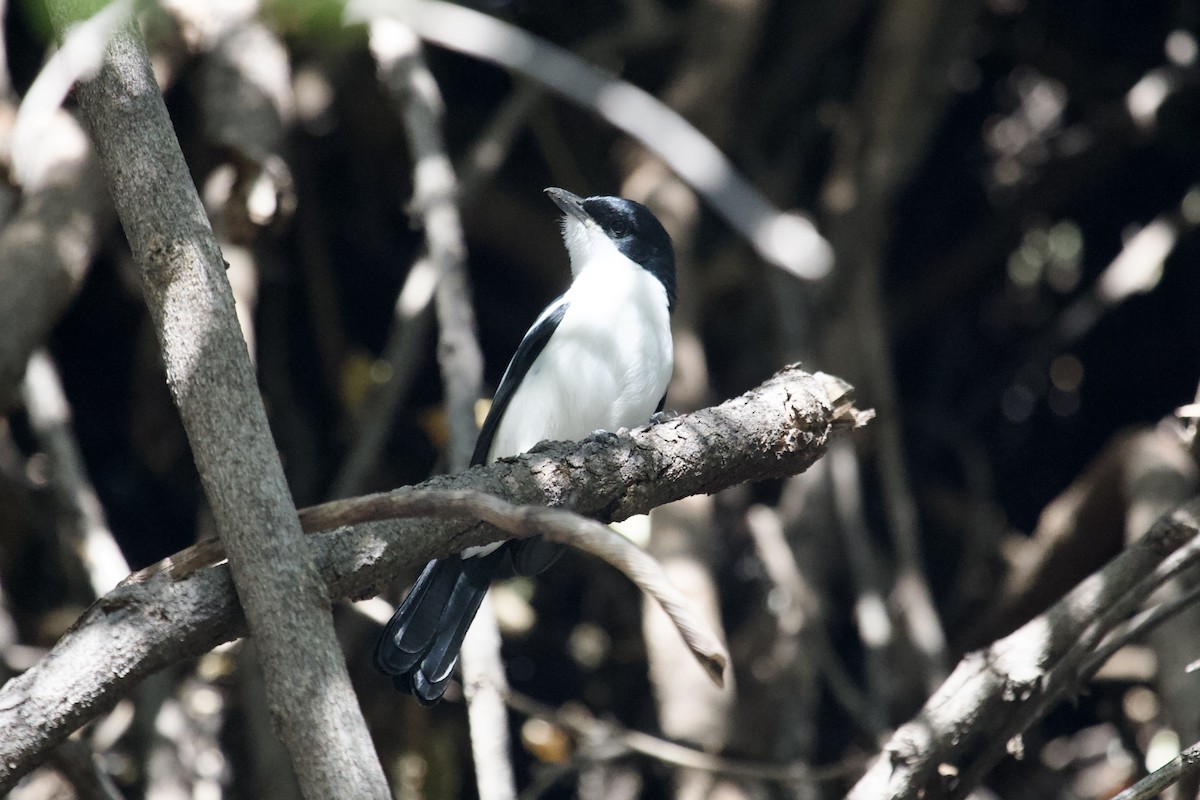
185, 607
213, 385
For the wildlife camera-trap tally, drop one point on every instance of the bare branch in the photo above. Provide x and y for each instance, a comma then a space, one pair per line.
996, 693
214, 387
612, 740
484, 686
401, 66
1183, 765
185, 607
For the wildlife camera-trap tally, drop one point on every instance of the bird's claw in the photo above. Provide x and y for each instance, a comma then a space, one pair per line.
663, 416
602, 437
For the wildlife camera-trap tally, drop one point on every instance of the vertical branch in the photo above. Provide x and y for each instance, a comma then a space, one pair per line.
209, 374
485, 687
398, 54
690, 707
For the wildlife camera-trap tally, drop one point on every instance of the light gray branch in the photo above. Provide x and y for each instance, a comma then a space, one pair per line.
402, 68
186, 607
994, 694
208, 370
401, 65
607, 739
1183, 765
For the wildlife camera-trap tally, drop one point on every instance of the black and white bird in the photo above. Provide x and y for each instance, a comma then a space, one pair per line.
598, 358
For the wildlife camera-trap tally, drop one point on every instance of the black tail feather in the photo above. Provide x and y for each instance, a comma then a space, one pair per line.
420, 645
534, 555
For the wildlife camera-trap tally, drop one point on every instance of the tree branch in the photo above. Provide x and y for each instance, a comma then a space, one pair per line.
208, 370
553, 524
1185, 764
996, 693
611, 739
184, 607
83, 533
401, 66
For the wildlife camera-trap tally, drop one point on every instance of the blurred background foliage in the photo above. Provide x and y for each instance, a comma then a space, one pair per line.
1036, 292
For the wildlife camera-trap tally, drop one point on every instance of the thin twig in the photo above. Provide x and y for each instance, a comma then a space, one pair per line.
555, 525
612, 740
803, 618
870, 608
1183, 765
1138, 626
412, 318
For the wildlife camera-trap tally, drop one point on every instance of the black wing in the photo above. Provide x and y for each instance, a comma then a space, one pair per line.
528, 351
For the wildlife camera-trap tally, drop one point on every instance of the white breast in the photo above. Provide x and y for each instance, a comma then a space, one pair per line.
607, 364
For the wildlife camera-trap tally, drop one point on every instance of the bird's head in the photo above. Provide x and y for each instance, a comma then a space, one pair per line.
600, 228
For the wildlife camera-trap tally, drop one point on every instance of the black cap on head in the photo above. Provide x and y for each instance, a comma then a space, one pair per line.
632, 227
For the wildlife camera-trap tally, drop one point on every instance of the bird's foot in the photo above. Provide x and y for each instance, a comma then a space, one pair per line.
663, 416
601, 437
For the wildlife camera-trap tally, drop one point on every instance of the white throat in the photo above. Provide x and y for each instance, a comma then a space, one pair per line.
586, 244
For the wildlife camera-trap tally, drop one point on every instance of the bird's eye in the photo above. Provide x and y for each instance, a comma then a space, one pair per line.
618, 227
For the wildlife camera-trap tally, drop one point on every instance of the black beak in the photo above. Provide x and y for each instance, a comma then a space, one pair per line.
571, 204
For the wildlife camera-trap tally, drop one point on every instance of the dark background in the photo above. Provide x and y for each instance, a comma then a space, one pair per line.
1032, 178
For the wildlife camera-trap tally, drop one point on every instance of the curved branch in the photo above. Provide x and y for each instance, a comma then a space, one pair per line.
185, 606
785, 239
554, 524
611, 738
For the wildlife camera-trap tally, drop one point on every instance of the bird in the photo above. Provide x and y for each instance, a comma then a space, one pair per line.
597, 359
